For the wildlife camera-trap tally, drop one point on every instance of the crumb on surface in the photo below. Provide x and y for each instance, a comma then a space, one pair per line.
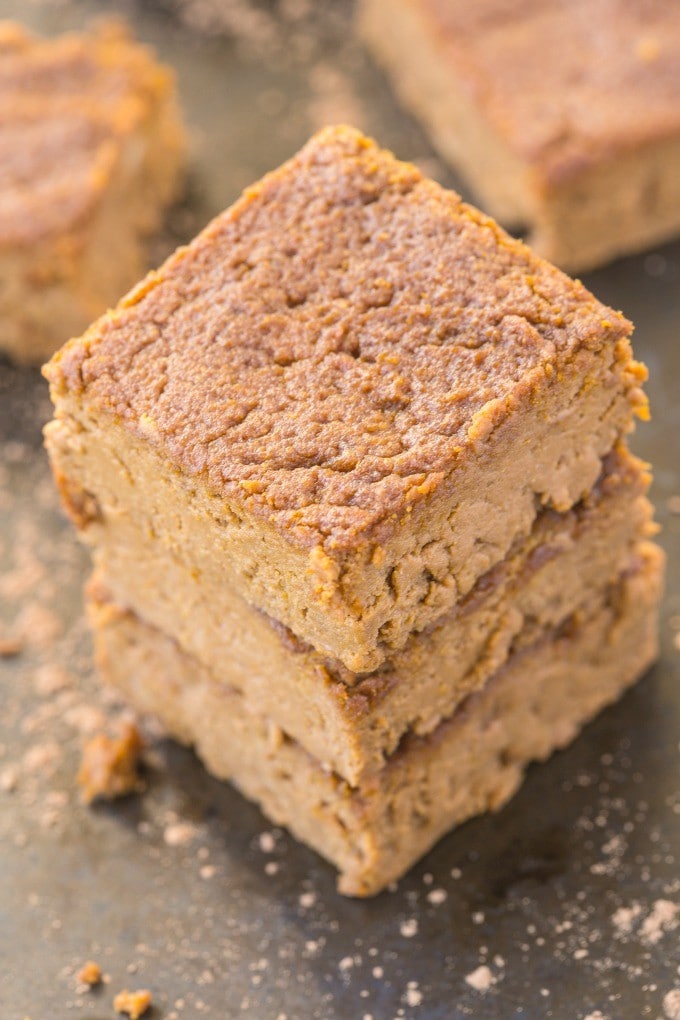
10, 647
89, 974
109, 765
480, 979
135, 1004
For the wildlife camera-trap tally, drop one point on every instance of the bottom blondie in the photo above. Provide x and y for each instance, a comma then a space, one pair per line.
472, 762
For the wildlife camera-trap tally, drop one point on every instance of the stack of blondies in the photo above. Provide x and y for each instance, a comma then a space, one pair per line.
366, 532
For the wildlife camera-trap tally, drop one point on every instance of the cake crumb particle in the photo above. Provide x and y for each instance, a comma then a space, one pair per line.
409, 928
89, 974
267, 843
662, 918
135, 1004
179, 834
109, 765
9, 777
480, 979
10, 647
671, 1004
413, 996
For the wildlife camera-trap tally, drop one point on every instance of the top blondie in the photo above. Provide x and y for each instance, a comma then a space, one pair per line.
357, 362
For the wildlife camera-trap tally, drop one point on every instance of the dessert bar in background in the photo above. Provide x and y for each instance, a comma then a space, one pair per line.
91, 148
366, 533
562, 118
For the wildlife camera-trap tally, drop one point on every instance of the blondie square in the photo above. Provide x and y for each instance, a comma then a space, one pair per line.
474, 761
91, 147
345, 401
563, 118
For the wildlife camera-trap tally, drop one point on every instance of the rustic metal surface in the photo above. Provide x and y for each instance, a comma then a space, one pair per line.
568, 896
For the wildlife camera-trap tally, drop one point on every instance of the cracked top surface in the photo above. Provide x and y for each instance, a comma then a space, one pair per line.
567, 83
64, 104
331, 348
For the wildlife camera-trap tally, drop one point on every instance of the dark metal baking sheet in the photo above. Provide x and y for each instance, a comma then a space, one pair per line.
568, 898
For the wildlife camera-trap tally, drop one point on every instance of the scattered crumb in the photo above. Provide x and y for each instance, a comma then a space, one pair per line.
671, 1004
480, 979
109, 765
89, 974
662, 918
9, 777
624, 918
413, 996
43, 758
409, 928
179, 834
52, 678
10, 647
267, 843
135, 1004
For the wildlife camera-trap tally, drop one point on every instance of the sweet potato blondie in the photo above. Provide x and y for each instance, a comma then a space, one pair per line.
563, 118
91, 147
349, 383
472, 762
365, 529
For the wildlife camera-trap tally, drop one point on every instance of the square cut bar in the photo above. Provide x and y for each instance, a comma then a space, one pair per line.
351, 722
471, 763
91, 147
354, 394
561, 117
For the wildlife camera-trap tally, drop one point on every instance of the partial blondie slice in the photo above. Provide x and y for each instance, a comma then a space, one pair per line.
562, 117
471, 763
91, 147
351, 722
346, 400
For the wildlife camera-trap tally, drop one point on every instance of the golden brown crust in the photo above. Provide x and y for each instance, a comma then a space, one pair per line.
329, 350
67, 105
566, 84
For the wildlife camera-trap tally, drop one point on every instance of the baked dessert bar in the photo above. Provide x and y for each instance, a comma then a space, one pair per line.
472, 762
347, 388
561, 118
345, 464
91, 148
